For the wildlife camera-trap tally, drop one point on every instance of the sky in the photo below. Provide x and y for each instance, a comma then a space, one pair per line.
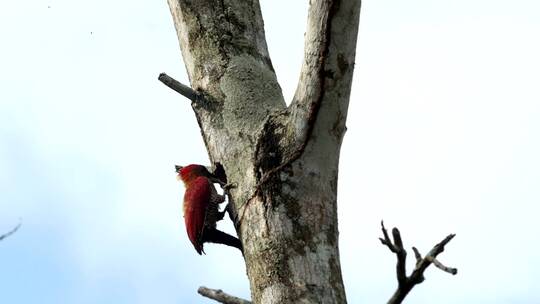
443, 137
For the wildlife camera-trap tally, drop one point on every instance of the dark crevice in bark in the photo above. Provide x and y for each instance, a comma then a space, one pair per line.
322, 72
316, 104
269, 152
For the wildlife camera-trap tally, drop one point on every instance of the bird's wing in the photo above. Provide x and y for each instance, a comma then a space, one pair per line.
196, 201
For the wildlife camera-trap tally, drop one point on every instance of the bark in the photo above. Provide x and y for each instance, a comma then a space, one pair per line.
283, 160
220, 296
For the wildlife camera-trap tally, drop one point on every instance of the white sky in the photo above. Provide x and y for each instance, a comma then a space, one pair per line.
443, 137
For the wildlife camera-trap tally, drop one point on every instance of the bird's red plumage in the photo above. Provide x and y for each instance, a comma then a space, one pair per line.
196, 200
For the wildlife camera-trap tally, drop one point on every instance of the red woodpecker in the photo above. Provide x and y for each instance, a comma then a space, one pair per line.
201, 208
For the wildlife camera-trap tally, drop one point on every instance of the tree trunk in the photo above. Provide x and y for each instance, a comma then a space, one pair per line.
284, 160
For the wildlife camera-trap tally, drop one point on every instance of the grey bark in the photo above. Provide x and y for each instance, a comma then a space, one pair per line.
284, 160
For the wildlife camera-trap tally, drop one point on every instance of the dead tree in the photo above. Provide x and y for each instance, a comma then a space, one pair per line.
407, 283
283, 159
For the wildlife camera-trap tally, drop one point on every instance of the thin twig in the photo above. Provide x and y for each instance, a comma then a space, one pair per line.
405, 284
221, 297
386, 241
401, 253
183, 89
440, 265
3, 236
417, 255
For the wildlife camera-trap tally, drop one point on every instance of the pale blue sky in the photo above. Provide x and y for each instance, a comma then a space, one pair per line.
443, 136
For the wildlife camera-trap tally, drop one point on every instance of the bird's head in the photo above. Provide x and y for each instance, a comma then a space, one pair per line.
190, 172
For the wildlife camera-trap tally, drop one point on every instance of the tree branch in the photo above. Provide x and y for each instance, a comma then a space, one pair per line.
397, 248
329, 54
3, 236
219, 296
183, 89
406, 284
440, 265
326, 75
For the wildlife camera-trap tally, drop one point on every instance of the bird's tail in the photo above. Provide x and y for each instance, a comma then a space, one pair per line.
219, 237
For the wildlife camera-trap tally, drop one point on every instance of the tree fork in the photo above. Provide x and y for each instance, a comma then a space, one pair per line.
407, 283
286, 191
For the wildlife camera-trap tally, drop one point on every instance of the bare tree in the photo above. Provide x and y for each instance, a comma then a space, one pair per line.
282, 159
407, 283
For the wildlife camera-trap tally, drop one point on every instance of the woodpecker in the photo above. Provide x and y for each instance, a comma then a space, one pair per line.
201, 207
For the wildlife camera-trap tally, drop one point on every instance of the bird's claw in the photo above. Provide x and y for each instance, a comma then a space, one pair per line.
229, 186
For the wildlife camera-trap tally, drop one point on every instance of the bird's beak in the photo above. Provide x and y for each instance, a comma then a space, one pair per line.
178, 168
